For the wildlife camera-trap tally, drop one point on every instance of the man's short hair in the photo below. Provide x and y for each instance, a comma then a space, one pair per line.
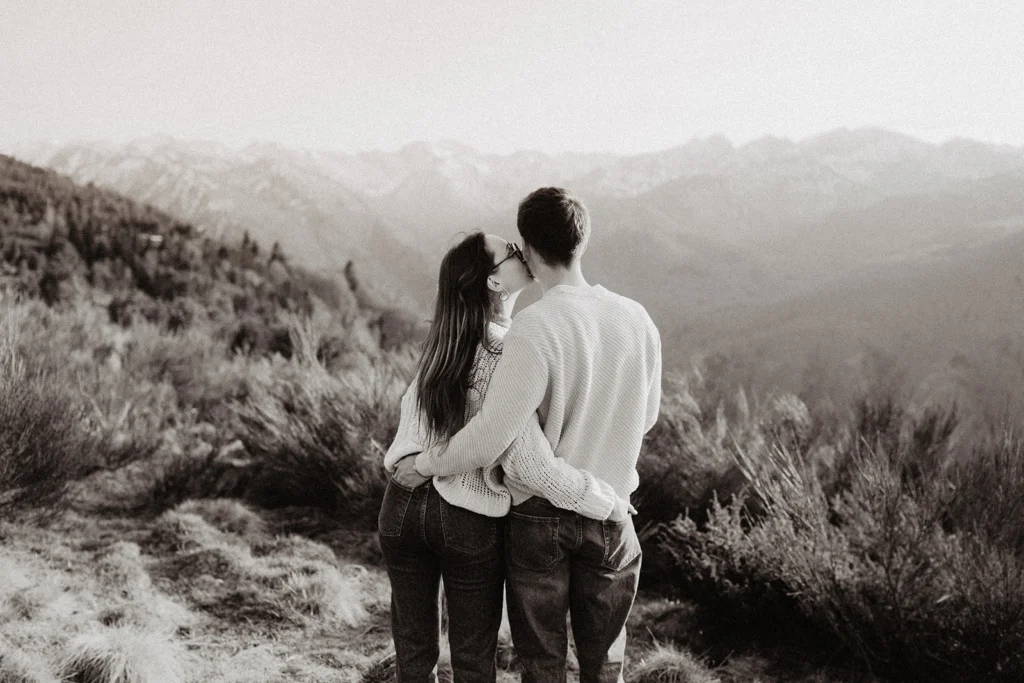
555, 224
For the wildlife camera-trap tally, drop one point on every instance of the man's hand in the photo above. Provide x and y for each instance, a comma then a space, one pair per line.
406, 474
621, 511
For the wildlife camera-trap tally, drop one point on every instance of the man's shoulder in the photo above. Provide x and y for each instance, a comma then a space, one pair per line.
631, 307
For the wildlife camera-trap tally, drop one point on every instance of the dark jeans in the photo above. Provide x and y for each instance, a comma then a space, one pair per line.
425, 539
561, 562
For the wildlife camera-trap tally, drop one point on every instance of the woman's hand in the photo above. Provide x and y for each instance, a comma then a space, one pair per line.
406, 474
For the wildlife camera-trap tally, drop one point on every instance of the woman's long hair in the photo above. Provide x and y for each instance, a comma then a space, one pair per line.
461, 313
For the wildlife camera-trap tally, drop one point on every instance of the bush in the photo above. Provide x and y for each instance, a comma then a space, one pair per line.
319, 440
43, 441
871, 567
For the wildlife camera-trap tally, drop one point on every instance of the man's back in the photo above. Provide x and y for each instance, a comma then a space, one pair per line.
602, 356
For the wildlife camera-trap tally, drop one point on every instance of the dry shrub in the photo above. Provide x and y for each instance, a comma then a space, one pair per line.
228, 516
123, 655
667, 664
43, 442
181, 477
318, 439
872, 568
17, 666
987, 493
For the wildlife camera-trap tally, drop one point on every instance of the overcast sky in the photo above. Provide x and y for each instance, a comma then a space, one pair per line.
500, 76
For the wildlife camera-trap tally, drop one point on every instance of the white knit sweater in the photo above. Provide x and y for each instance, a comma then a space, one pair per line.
528, 462
588, 363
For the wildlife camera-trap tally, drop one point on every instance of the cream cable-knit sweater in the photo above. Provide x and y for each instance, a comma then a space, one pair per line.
585, 360
528, 462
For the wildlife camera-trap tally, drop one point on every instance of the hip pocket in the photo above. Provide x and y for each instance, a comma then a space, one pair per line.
532, 541
621, 545
393, 509
466, 531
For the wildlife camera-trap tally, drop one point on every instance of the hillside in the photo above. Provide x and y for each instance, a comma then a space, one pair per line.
274, 195
63, 242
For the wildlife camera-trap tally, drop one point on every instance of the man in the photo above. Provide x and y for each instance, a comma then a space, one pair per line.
588, 361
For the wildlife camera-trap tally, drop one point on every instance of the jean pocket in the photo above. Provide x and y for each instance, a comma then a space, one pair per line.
393, 509
621, 545
466, 531
532, 541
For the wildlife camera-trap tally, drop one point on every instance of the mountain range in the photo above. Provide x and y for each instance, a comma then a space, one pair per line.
781, 247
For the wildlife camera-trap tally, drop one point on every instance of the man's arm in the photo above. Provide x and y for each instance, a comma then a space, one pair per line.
515, 391
654, 391
531, 464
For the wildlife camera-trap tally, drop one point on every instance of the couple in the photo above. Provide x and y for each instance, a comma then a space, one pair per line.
515, 458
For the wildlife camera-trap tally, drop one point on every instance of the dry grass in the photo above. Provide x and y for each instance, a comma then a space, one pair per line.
17, 666
193, 598
123, 655
178, 531
120, 568
227, 516
667, 664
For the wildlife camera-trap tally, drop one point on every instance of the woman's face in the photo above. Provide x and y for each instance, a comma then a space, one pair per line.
510, 272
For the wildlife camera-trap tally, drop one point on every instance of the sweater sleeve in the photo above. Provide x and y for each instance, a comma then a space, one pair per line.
654, 391
412, 433
515, 391
533, 466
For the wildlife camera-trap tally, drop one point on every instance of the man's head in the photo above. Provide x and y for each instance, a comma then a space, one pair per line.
554, 225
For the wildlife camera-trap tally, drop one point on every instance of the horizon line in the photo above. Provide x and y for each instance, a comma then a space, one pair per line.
241, 146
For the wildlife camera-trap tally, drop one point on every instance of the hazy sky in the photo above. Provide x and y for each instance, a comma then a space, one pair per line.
547, 75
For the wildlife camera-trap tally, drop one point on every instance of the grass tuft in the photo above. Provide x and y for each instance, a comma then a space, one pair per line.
227, 516
666, 664
177, 531
119, 567
123, 655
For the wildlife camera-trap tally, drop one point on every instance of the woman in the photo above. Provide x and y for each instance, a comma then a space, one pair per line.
451, 527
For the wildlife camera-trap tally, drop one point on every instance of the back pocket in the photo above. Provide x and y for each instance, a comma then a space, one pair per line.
466, 531
532, 541
393, 509
621, 545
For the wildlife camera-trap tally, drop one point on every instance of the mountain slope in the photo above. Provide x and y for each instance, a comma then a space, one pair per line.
950, 327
